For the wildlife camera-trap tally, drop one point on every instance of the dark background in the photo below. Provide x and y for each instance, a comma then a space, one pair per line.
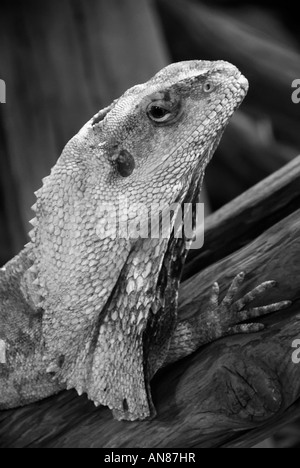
62, 60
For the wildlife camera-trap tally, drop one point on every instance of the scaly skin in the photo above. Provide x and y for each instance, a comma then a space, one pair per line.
83, 308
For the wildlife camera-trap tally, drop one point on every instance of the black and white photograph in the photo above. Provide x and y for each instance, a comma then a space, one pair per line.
149, 227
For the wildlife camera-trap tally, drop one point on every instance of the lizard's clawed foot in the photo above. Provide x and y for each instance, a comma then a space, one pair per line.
225, 318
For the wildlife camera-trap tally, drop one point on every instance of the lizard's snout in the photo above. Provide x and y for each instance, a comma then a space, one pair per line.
243, 82
231, 70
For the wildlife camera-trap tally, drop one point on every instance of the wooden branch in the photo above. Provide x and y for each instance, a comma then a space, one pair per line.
232, 393
243, 219
248, 153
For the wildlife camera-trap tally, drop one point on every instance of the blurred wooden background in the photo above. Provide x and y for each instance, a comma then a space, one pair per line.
62, 60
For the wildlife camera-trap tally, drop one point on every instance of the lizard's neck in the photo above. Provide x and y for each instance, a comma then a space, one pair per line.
96, 293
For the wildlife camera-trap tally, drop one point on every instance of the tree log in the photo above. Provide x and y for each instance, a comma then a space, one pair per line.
250, 214
234, 392
249, 152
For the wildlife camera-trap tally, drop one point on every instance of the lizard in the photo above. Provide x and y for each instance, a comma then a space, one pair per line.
84, 308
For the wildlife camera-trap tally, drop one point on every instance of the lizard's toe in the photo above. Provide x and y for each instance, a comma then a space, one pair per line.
246, 328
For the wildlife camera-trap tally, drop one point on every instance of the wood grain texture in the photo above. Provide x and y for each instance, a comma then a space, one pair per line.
247, 392
234, 392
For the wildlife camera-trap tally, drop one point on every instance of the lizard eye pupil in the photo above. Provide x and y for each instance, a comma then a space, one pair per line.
158, 113
208, 87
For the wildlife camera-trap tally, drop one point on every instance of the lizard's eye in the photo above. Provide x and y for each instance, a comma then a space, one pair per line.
208, 87
158, 113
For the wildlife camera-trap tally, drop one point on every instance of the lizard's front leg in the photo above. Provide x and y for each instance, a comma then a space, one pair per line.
221, 319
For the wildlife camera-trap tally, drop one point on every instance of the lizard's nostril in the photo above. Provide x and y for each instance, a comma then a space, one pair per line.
226, 67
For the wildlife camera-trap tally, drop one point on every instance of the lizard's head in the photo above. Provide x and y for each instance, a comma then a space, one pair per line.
109, 303
157, 133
